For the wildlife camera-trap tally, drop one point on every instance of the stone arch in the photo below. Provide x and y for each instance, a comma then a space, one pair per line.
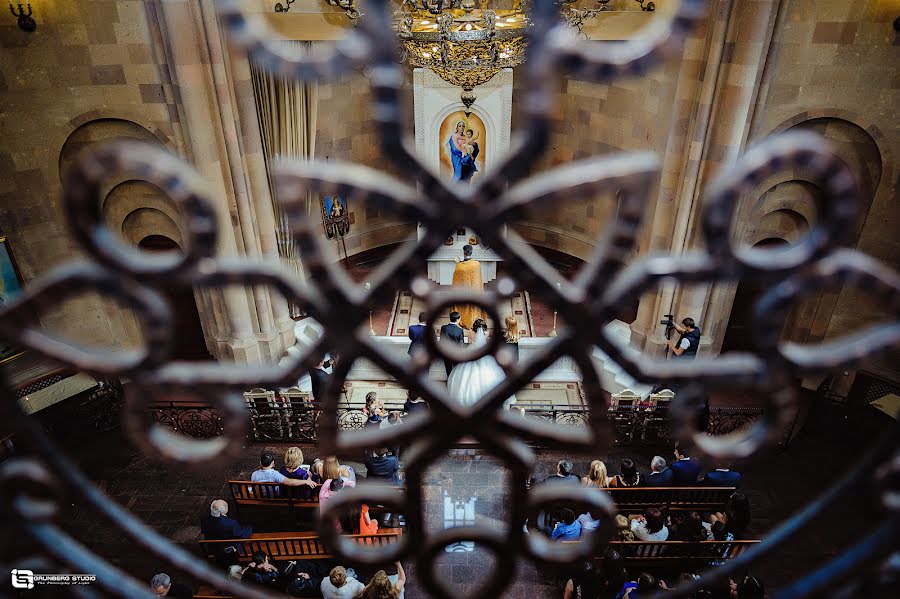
135, 209
99, 125
789, 200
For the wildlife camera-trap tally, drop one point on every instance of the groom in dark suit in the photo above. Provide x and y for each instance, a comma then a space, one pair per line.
417, 334
454, 333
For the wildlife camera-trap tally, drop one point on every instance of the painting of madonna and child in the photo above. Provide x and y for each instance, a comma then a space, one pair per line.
462, 146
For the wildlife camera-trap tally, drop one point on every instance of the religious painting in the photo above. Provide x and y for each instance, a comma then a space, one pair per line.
335, 215
463, 145
10, 286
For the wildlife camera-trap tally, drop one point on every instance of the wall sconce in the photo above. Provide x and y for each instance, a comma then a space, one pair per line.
26, 23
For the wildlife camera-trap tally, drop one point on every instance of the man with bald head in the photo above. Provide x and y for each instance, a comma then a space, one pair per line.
217, 525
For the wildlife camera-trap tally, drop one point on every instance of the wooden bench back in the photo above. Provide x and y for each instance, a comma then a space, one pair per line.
245, 492
637, 499
291, 546
660, 552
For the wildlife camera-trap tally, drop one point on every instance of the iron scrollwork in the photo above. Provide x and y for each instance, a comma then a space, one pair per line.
611, 278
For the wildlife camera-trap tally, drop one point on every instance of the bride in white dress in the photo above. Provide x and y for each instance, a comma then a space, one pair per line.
469, 381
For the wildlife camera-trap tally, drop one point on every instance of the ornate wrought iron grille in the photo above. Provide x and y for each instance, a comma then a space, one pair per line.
34, 496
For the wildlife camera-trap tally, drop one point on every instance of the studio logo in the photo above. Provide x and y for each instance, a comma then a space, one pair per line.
22, 579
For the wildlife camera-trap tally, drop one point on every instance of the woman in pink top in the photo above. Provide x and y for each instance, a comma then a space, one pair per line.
332, 487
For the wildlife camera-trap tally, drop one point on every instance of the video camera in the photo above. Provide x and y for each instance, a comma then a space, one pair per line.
669, 322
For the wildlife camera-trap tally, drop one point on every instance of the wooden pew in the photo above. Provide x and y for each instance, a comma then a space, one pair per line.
246, 493
662, 553
637, 499
284, 546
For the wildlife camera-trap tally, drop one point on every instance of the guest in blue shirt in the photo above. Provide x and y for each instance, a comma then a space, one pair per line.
722, 477
644, 586
685, 468
569, 529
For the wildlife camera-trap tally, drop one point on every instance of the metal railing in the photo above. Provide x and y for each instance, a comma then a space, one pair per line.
39, 485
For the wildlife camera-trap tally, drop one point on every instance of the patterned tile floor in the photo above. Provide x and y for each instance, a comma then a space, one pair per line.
171, 500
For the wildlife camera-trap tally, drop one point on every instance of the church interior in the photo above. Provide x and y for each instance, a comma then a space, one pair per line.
547, 298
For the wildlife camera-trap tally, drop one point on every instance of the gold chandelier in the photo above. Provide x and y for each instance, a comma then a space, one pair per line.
464, 43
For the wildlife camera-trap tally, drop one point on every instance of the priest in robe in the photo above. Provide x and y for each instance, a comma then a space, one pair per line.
467, 275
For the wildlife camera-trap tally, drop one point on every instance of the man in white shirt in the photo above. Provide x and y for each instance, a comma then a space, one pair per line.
340, 585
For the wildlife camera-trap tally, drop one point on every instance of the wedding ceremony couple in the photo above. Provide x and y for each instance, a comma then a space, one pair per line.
469, 381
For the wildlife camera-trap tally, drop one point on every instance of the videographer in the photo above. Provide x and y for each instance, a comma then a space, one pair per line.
688, 341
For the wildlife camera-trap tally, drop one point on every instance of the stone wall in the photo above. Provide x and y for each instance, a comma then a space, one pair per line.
88, 73
346, 131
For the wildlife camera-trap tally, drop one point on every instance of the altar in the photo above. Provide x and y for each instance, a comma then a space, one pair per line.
442, 263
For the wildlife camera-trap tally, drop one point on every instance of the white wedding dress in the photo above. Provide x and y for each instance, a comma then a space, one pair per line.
469, 381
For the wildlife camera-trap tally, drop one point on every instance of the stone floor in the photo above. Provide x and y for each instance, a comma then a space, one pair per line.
172, 500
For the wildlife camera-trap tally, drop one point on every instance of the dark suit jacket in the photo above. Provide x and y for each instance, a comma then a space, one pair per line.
555, 479
686, 472
223, 527
718, 478
453, 332
658, 479
417, 334
386, 468
320, 380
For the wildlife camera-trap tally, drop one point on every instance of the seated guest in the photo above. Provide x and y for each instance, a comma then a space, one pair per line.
651, 526
293, 464
721, 534
722, 477
685, 469
383, 467
218, 526
644, 586
261, 571
367, 524
596, 476
267, 473
393, 419
749, 587
585, 582
614, 574
330, 488
340, 585
623, 528
568, 529
414, 404
628, 476
374, 409
660, 474
162, 585
330, 467
690, 528
736, 515
590, 520
563, 474
382, 586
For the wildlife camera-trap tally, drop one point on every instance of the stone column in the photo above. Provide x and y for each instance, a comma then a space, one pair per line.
183, 36
237, 68
739, 34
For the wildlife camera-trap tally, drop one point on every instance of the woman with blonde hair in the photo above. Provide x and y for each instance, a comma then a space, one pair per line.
597, 476
330, 468
382, 586
511, 335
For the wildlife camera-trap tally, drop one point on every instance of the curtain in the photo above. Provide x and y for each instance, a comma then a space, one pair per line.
287, 112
